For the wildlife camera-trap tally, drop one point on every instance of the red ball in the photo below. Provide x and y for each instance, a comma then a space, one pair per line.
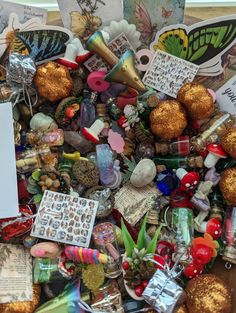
160, 260
192, 270
125, 265
144, 283
139, 290
201, 254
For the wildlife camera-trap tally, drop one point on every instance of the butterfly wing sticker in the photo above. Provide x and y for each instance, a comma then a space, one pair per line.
144, 24
203, 43
41, 42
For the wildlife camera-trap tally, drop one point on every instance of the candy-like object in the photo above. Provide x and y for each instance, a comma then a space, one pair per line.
144, 173
46, 250
85, 256
96, 81
168, 119
197, 101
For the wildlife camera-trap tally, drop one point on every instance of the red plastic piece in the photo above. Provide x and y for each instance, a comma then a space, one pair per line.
83, 58
201, 254
67, 63
190, 181
192, 270
214, 228
89, 136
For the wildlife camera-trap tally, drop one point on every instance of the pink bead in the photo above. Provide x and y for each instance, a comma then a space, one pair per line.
96, 81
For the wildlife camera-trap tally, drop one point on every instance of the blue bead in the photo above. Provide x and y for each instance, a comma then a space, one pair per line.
167, 181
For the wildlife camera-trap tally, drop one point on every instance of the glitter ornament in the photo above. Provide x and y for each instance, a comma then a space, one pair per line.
228, 142
162, 122
93, 276
197, 100
228, 185
208, 294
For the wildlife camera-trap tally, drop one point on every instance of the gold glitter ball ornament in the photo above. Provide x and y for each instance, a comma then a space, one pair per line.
53, 81
228, 185
208, 294
168, 119
228, 142
23, 307
197, 101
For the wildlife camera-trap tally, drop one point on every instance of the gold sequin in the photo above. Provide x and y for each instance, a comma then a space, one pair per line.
228, 185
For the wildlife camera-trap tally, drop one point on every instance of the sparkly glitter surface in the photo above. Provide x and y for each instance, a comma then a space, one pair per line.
197, 101
228, 142
228, 185
208, 294
168, 119
53, 81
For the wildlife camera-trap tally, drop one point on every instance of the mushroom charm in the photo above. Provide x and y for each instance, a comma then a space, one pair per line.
189, 181
93, 131
212, 227
216, 152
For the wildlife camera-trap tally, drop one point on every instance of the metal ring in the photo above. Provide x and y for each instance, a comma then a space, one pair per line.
228, 265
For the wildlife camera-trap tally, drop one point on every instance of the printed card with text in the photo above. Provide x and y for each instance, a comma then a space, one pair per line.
226, 96
65, 219
119, 45
15, 274
167, 73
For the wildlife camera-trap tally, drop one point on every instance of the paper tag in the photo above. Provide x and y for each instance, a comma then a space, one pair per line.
24, 12
8, 181
119, 45
133, 202
226, 96
65, 218
168, 73
15, 274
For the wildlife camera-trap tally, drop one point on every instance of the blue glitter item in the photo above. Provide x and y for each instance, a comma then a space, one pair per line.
167, 181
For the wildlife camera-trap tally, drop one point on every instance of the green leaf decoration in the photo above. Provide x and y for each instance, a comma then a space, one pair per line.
33, 189
130, 165
128, 240
38, 198
36, 175
32, 181
153, 244
142, 239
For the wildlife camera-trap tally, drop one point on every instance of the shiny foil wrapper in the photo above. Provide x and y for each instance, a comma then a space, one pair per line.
163, 293
21, 69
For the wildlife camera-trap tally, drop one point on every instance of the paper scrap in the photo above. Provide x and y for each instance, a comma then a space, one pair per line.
8, 181
226, 96
168, 74
15, 274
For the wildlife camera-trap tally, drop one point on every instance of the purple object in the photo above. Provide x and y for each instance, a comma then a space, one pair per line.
112, 92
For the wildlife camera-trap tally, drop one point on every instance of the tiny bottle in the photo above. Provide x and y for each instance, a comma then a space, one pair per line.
87, 110
181, 147
174, 162
216, 204
212, 130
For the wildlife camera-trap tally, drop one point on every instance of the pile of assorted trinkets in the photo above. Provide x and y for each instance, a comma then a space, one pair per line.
126, 195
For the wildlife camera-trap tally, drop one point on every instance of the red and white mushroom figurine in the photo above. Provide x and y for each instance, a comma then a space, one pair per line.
216, 152
69, 58
189, 180
213, 227
93, 131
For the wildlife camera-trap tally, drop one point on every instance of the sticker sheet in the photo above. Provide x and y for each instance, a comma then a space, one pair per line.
15, 274
119, 45
64, 218
168, 74
226, 96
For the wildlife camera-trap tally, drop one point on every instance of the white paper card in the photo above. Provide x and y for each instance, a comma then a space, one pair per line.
226, 96
8, 181
15, 274
107, 10
65, 219
168, 73
25, 12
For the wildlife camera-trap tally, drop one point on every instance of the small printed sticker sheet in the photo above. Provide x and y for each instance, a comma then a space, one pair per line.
119, 45
65, 218
168, 73
15, 274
